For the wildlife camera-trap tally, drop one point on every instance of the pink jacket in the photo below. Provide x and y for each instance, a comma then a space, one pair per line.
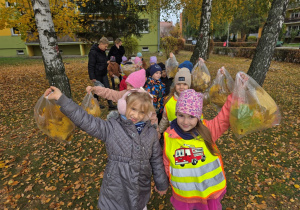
115, 95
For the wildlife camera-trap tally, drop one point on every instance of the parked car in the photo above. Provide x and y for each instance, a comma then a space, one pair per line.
194, 42
279, 43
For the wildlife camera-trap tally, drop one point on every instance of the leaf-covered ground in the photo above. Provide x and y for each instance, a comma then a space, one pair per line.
262, 169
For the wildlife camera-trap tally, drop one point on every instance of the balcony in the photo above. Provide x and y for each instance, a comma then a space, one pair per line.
292, 20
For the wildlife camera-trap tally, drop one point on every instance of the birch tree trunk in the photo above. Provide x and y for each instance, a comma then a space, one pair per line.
267, 43
201, 47
54, 67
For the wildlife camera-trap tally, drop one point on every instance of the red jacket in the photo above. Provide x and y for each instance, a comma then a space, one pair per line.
123, 85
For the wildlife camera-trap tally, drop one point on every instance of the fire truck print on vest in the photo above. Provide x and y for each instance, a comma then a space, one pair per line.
189, 155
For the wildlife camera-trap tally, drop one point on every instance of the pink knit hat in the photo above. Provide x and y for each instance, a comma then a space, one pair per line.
137, 79
190, 102
137, 60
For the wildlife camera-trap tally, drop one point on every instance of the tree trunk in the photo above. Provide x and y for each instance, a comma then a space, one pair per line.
201, 47
54, 67
267, 43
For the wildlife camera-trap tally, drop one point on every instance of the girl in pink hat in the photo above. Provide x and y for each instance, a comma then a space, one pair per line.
191, 158
135, 80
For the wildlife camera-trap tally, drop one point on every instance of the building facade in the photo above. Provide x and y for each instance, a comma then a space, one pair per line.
11, 44
292, 22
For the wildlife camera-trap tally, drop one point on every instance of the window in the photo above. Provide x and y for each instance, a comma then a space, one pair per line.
20, 52
145, 49
146, 26
141, 2
15, 32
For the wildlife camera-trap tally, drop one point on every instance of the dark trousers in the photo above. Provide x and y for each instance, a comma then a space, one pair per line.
113, 82
104, 81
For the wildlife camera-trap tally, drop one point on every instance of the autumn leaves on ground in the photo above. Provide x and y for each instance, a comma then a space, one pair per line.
262, 169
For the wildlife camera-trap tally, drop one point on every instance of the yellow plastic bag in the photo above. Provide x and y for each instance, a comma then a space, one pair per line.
51, 121
91, 105
221, 87
128, 69
171, 67
252, 108
200, 77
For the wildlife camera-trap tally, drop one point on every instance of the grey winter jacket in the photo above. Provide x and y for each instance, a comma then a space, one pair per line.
132, 158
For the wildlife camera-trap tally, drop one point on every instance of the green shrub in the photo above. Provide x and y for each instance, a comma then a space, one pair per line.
169, 44
284, 55
252, 39
237, 44
180, 45
131, 46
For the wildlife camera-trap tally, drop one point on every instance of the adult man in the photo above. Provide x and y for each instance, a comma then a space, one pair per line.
117, 50
97, 65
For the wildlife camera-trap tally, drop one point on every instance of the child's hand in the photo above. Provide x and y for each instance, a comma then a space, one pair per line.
89, 89
159, 135
222, 70
201, 59
161, 192
52, 93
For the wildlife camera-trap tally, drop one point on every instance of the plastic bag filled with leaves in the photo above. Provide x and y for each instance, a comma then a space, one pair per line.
221, 87
128, 69
200, 77
51, 121
171, 67
91, 105
116, 80
252, 108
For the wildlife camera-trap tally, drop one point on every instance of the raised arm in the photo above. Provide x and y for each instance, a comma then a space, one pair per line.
94, 126
106, 93
220, 123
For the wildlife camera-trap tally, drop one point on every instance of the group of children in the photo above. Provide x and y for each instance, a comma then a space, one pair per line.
190, 161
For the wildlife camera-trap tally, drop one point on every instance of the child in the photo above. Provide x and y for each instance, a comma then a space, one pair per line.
152, 61
138, 63
132, 147
114, 70
155, 87
135, 80
198, 183
165, 79
186, 64
182, 81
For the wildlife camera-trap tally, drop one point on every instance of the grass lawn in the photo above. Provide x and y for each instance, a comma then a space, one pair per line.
262, 169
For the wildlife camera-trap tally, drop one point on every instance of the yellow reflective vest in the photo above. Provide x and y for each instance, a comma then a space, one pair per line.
194, 171
170, 108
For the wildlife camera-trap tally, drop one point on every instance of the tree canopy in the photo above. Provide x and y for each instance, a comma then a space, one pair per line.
19, 15
111, 18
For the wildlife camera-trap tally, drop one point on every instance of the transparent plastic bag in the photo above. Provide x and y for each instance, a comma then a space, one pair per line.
128, 69
171, 67
200, 77
252, 108
116, 80
98, 83
90, 105
51, 121
221, 87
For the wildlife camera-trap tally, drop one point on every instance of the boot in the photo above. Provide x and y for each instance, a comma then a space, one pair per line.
110, 105
97, 97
